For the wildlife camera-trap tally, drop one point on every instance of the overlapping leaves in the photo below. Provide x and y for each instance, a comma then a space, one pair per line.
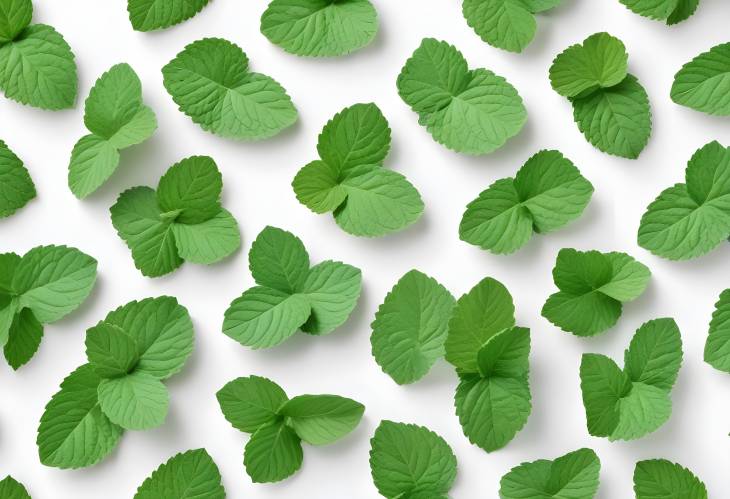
290, 295
365, 198
669, 11
662, 479
188, 475
16, 186
148, 15
703, 83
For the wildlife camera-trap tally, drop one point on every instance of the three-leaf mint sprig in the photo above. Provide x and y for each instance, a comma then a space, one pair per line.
290, 295
16, 185
349, 179
191, 474
182, 220
278, 424
610, 106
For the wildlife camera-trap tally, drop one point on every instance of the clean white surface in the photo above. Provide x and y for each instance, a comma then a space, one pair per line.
257, 190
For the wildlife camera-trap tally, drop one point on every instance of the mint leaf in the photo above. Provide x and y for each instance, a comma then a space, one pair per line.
116, 118
468, 111
592, 289
320, 28
73, 431
290, 295
211, 83
506, 24
322, 419
717, 346
37, 67
188, 475
366, 199
24, 338
702, 84
407, 460
630, 403
662, 479
10, 488
15, 16
182, 220
573, 475
250, 403
411, 326
273, 453
547, 193
16, 186
111, 351
148, 15
134, 401
688, 220
670, 11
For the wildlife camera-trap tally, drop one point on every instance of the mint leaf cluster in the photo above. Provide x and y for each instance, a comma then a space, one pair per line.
662, 479
365, 198
16, 186
669, 11
703, 83
290, 295
546, 194
182, 220
506, 24
211, 82
630, 403
37, 66
149, 15
469, 111
117, 119
188, 475
320, 28
129, 353
10, 488
691, 219
408, 460
41, 287
610, 107
278, 424
574, 475
593, 287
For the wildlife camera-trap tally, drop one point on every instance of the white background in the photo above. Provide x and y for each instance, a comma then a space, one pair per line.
257, 190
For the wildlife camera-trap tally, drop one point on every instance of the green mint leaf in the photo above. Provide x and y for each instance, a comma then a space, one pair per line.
688, 220
238, 104
273, 453
111, 352
149, 15
320, 28
685, 9
701, 83
670, 11
10, 488
73, 431
573, 475
38, 54
321, 419
547, 193
662, 479
15, 16
407, 460
473, 112
536, 6
366, 199
135, 401
250, 403
24, 338
486, 310
506, 355
182, 221
600, 61
717, 346
505, 24
592, 288
16, 186
116, 118
188, 475
288, 299
628, 404
411, 326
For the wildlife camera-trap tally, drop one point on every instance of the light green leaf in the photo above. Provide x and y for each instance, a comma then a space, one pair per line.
320, 28
473, 112
210, 241
10, 488
603, 385
111, 352
506, 24
703, 83
332, 290
15, 16
192, 189
137, 401
93, 161
662, 479
644, 410
73, 432
322, 419
411, 326
273, 453
250, 403
317, 186
654, 355
278, 260
653, 9
188, 475
411, 461
717, 346
506, 355
24, 338
16, 186
210, 82
148, 15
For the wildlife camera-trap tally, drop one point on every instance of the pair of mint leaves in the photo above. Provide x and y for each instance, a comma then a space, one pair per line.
610, 106
546, 194
702, 84
505, 24
691, 219
33, 53
182, 220
129, 353
290, 294
40, 287
16, 185
191, 474
349, 179
669, 11
278, 424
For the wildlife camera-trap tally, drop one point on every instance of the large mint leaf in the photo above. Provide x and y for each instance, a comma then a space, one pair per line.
188, 475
